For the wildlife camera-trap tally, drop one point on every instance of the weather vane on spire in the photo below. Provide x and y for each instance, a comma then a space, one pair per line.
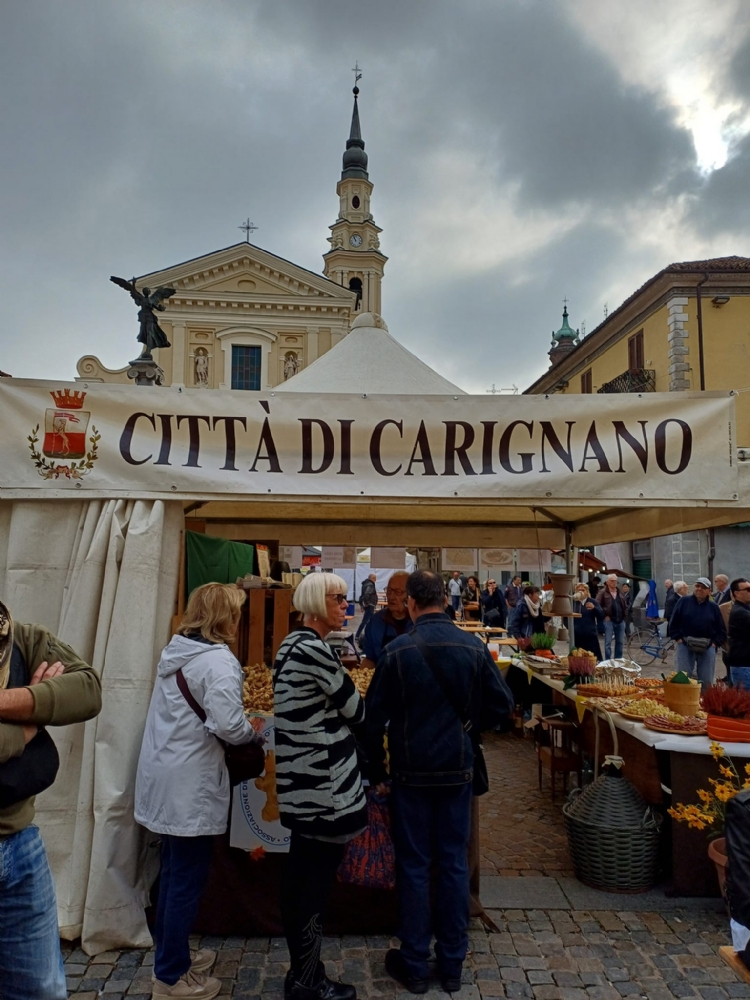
357, 74
247, 227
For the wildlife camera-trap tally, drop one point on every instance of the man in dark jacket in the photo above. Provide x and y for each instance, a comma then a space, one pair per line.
698, 627
514, 592
43, 683
722, 593
615, 610
738, 656
431, 765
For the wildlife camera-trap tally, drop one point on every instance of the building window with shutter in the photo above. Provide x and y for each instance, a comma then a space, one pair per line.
586, 385
635, 351
246, 367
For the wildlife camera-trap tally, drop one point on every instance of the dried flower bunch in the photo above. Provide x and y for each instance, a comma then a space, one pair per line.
711, 812
729, 702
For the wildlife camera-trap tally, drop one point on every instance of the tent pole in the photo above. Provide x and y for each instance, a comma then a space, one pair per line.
570, 568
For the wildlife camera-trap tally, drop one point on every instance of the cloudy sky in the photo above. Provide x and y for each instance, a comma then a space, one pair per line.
521, 151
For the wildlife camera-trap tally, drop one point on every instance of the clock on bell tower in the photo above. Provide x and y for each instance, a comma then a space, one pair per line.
355, 260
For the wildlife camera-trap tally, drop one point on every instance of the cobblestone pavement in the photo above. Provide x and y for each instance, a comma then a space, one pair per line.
544, 954
521, 828
537, 954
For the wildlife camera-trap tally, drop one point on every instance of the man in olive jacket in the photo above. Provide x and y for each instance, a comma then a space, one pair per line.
42, 682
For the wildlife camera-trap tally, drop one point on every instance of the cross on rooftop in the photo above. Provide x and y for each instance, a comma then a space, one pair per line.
357, 73
565, 301
247, 228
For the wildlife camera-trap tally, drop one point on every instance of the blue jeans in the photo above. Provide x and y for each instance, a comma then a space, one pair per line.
456, 601
432, 824
740, 677
616, 629
368, 613
184, 869
701, 663
30, 961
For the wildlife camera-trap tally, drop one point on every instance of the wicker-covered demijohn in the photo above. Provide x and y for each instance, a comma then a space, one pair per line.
613, 835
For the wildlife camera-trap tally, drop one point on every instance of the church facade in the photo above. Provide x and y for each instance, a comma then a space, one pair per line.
244, 318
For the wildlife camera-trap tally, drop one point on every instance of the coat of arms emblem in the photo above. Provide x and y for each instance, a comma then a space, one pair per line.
65, 427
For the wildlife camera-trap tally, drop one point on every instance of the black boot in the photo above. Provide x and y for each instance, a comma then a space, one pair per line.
326, 989
397, 969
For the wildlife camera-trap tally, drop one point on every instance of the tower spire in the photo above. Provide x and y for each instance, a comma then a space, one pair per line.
355, 158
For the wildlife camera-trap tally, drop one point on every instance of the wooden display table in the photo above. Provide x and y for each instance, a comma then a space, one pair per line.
664, 768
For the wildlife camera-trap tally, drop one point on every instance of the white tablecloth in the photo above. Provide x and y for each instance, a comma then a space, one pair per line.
662, 741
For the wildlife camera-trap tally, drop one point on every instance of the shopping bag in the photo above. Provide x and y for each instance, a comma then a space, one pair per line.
370, 859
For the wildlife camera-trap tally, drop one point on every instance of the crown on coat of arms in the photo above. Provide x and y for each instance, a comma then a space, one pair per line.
67, 400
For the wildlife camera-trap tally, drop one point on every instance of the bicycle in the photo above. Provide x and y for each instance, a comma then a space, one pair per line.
645, 644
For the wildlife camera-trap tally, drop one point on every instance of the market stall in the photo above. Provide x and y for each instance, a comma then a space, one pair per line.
99, 483
665, 767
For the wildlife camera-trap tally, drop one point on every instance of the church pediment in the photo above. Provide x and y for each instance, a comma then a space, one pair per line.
244, 270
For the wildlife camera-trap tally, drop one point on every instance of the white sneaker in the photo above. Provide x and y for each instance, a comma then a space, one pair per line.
192, 984
201, 961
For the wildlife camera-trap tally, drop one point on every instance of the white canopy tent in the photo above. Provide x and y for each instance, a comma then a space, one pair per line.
90, 546
370, 360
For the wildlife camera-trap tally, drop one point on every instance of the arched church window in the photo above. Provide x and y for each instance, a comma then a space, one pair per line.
355, 201
355, 285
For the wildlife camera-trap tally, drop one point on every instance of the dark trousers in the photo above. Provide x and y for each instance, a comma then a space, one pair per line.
590, 642
309, 872
184, 869
431, 828
369, 611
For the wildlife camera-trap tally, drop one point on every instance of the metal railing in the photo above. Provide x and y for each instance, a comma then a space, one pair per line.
633, 380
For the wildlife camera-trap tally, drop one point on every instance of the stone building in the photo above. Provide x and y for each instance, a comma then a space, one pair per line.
686, 329
243, 318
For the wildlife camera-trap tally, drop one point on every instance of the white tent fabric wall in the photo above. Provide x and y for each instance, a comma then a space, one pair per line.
96, 574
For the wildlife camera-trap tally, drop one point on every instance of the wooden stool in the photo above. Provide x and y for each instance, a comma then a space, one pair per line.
562, 755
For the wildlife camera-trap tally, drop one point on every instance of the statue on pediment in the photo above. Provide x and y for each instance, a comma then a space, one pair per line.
150, 334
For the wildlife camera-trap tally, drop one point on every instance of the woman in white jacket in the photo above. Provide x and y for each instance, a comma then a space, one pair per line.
182, 787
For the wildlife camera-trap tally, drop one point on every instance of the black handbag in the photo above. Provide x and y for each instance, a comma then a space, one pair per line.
481, 779
697, 645
244, 761
493, 617
36, 769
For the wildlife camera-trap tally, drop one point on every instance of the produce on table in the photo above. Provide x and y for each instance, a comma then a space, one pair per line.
678, 677
649, 683
674, 721
257, 689
540, 640
732, 703
609, 690
643, 707
362, 677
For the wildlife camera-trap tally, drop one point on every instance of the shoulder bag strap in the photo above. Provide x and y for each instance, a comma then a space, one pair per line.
277, 670
426, 652
182, 684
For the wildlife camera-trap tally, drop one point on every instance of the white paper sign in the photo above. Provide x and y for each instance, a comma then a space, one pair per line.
255, 811
387, 558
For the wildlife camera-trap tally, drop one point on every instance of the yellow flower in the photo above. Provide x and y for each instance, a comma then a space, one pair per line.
704, 796
724, 792
696, 824
726, 771
717, 750
747, 769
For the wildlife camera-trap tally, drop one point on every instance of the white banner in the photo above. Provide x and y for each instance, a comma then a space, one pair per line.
255, 818
387, 558
108, 440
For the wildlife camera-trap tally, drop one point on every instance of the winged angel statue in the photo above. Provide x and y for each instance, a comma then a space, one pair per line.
151, 334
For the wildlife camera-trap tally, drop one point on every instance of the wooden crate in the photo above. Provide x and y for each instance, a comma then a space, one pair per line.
264, 625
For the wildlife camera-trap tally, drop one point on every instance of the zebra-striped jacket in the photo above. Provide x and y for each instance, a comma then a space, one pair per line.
318, 783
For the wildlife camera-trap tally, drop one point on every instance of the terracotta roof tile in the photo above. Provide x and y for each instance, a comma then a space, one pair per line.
714, 264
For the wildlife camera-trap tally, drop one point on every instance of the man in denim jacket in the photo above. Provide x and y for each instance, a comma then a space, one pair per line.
431, 760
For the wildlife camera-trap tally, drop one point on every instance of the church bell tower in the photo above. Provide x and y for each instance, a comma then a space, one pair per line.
355, 260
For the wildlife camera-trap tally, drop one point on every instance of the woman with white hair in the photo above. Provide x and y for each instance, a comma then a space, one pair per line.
318, 782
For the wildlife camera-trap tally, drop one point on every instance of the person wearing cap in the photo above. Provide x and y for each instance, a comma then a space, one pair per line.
43, 682
698, 626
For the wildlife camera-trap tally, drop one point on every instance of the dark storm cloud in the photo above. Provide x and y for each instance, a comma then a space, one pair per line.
138, 135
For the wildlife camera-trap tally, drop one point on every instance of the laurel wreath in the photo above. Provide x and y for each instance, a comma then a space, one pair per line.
73, 470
